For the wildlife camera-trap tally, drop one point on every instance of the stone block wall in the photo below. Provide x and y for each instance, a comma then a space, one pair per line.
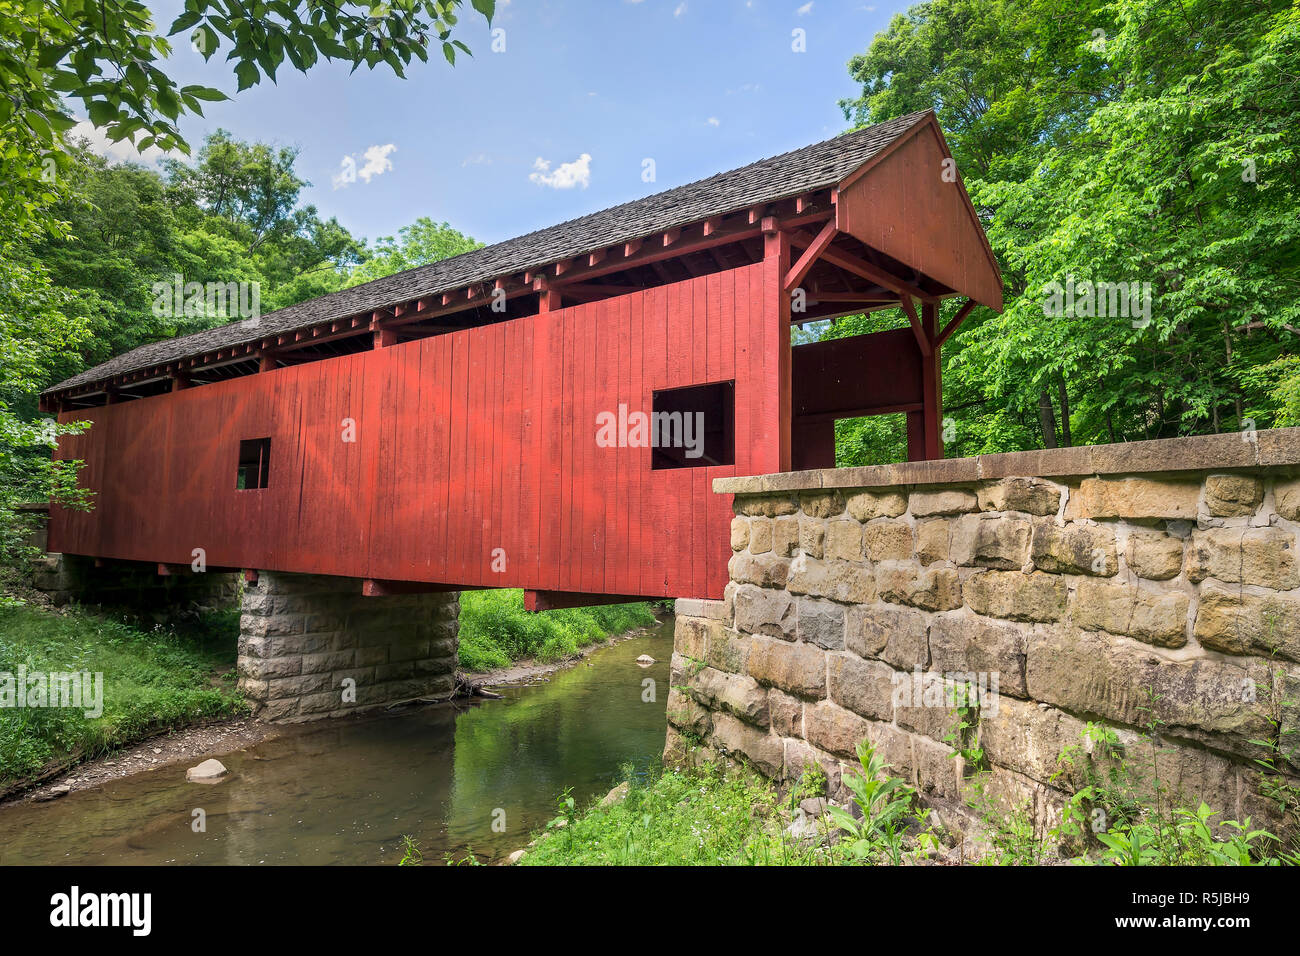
313, 646
1152, 587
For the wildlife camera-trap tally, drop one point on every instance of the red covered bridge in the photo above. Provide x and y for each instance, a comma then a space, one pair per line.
437, 429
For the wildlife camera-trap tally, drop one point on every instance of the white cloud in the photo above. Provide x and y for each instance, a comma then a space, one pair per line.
713, 121
376, 164
565, 176
477, 159
377, 161
120, 152
681, 8
805, 9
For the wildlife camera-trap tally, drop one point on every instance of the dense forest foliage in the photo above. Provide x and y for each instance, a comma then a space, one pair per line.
1102, 142
1131, 141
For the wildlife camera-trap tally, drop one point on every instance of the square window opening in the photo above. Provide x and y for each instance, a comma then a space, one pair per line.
254, 464
694, 427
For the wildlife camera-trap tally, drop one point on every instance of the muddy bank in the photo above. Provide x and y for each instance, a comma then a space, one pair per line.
192, 744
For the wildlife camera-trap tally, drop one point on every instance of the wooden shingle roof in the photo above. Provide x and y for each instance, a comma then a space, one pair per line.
813, 167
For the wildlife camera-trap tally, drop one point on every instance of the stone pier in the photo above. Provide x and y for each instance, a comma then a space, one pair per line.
313, 646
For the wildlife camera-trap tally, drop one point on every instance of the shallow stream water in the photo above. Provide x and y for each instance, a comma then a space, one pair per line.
346, 791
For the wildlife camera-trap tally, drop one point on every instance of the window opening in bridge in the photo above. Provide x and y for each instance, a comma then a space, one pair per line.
254, 464
694, 427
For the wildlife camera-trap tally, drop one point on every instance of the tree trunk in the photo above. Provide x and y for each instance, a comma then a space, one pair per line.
1047, 418
1066, 440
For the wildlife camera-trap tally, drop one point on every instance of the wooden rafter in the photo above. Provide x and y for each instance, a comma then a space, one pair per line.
917, 330
864, 269
811, 254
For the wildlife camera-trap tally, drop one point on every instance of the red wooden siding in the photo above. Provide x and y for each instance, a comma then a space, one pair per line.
465, 442
903, 207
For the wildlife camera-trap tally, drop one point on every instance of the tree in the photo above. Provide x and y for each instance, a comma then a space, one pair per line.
37, 332
108, 55
418, 244
1104, 143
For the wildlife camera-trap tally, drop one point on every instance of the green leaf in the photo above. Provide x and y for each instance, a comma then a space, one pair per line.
247, 74
184, 22
204, 93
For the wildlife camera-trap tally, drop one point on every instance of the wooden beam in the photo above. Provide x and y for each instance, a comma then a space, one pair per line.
836, 310
957, 320
458, 304
871, 297
554, 600
250, 576
587, 291
930, 385
864, 269
548, 299
811, 255
922, 340
776, 265
378, 587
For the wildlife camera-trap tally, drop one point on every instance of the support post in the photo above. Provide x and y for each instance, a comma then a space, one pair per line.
776, 266
924, 428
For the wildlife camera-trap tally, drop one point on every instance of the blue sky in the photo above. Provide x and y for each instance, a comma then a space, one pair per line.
698, 86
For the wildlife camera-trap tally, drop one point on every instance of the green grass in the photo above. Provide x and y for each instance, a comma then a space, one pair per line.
153, 680
705, 816
496, 631
696, 817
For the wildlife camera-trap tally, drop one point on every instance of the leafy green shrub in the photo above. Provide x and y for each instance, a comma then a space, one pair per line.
496, 631
885, 802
